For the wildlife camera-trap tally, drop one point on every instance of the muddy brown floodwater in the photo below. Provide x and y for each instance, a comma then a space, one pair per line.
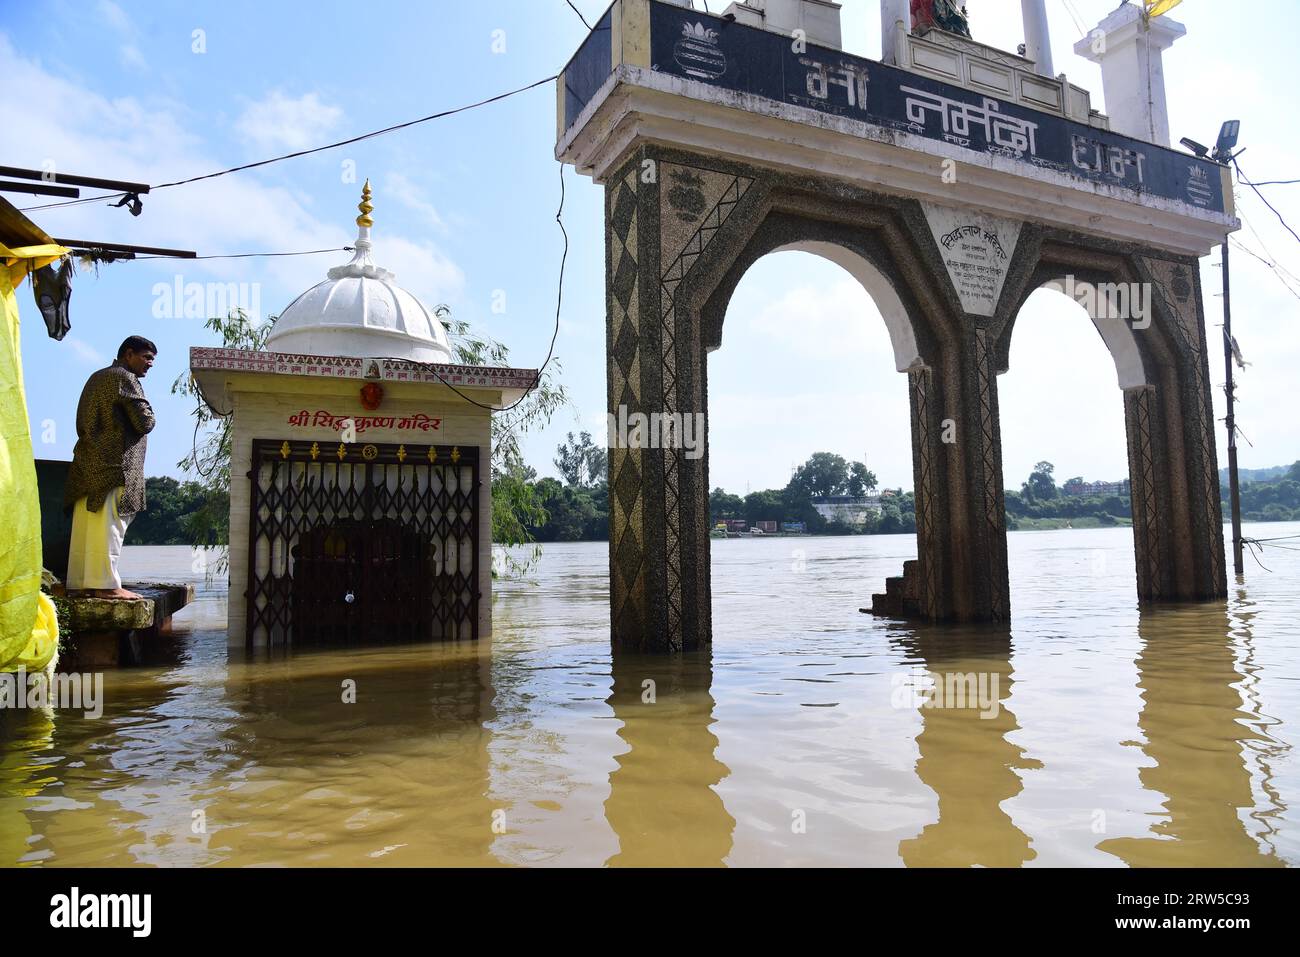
1090, 734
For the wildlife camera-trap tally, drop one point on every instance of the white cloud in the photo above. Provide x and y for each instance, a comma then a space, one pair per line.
809, 319
115, 17
281, 122
132, 57
84, 351
81, 130
805, 366
400, 188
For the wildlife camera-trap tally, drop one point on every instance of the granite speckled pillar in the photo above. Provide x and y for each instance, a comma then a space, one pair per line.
661, 217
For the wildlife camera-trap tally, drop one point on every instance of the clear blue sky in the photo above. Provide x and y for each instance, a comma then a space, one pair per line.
465, 206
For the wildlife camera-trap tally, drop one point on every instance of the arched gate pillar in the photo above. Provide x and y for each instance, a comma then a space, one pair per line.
675, 224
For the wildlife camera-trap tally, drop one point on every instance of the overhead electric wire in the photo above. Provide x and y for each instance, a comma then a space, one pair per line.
1267, 182
1277, 270
72, 202
579, 13
1264, 200
1263, 245
315, 149
559, 298
550, 352
1069, 8
305, 252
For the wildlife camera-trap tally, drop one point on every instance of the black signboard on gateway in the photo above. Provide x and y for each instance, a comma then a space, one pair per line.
730, 55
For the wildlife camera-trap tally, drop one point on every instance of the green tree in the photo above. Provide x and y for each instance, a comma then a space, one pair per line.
724, 505
581, 462
569, 509
209, 458
823, 475
861, 481
765, 506
1040, 486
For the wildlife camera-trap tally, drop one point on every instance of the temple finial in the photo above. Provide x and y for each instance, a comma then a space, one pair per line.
365, 207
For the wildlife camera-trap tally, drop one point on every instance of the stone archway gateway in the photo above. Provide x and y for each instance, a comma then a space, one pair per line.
719, 140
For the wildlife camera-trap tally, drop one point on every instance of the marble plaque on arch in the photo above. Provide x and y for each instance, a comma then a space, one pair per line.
976, 250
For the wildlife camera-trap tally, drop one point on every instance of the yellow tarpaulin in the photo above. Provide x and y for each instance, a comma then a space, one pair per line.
29, 630
1156, 7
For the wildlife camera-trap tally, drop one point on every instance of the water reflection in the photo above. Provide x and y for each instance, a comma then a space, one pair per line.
1198, 735
358, 753
23, 776
662, 800
789, 746
965, 757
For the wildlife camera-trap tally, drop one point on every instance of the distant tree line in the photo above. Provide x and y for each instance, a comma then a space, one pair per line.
575, 507
180, 513
823, 475
1039, 498
1273, 501
1277, 500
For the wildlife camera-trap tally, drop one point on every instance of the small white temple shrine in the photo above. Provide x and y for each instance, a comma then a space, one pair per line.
360, 500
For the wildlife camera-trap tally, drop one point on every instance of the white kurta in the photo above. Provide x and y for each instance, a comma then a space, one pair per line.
96, 544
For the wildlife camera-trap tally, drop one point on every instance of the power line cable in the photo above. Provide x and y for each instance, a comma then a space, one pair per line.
1264, 200
1263, 245
1268, 182
1277, 271
550, 352
1069, 8
305, 252
315, 149
579, 13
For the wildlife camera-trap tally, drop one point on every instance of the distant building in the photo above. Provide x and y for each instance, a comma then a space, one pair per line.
849, 509
1095, 489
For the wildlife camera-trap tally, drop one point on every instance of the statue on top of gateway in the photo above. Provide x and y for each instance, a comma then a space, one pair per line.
939, 13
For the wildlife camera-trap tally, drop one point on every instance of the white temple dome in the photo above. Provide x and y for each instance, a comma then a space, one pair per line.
360, 311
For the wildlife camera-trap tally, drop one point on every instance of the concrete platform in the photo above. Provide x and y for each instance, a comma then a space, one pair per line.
110, 633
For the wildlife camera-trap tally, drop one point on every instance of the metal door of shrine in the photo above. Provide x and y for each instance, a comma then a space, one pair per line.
362, 542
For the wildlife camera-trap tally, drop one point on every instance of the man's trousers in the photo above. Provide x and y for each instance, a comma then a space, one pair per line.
96, 544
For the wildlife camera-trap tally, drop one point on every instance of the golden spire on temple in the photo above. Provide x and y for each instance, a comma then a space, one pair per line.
365, 207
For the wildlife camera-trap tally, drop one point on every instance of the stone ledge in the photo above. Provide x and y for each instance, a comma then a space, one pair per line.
108, 633
160, 602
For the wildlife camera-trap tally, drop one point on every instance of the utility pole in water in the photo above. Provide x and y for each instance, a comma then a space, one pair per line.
1222, 154
1233, 486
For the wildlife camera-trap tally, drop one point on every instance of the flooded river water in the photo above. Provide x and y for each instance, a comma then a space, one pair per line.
1089, 734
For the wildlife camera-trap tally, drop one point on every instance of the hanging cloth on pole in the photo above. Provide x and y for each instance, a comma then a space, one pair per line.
53, 291
29, 631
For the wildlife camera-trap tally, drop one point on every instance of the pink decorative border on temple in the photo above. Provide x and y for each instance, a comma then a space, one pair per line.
352, 367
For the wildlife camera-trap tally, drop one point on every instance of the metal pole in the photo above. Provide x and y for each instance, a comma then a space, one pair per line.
1234, 488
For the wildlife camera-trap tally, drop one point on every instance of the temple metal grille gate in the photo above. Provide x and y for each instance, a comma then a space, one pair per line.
352, 542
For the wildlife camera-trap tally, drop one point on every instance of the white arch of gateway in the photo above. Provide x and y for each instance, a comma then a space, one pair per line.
952, 180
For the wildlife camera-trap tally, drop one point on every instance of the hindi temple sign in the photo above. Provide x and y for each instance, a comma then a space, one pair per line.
743, 59
976, 250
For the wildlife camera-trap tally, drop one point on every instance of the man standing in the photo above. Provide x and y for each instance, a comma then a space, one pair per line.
106, 482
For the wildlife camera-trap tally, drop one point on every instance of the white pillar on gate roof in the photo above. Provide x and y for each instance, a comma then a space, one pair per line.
1128, 47
892, 12
1038, 43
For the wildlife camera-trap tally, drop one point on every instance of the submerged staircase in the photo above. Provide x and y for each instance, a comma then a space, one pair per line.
902, 595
